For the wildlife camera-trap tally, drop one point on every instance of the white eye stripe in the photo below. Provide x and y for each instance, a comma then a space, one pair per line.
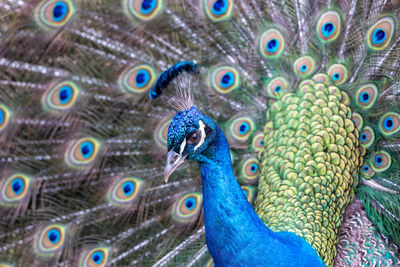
203, 135
183, 145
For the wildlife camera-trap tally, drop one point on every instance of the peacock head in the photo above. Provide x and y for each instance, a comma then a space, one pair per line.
190, 134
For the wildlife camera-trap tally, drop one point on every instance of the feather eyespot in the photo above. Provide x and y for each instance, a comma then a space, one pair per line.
366, 96
249, 170
271, 44
218, 10
366, 171
143, 10
249, 192
82, 152
338, 73
61, 96
381, 161
5, 116
224, 79
358, 120
161, 133
137, 80
54, 14
367, 137
51, 239
389, 123
241, 128
257, 142
126, 190
96, 257
15, 188
328, 26
276, 87
381, 33
187, 208
304, 66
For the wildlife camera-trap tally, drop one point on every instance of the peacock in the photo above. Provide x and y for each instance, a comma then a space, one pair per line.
199, 133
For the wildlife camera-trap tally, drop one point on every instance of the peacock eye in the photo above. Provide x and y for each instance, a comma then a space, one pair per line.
194, 138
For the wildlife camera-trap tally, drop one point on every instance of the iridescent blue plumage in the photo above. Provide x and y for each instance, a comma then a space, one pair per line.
235, 235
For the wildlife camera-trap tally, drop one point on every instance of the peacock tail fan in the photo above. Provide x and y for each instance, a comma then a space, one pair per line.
306, 92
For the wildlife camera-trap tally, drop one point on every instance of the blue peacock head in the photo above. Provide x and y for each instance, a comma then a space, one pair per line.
190, 133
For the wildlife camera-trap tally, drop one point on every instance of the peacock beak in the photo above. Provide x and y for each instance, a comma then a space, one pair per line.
174, 160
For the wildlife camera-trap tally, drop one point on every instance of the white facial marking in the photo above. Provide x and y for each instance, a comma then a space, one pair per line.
203, 135
182, 146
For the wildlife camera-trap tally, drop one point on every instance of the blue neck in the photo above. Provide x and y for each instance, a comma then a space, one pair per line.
235, 234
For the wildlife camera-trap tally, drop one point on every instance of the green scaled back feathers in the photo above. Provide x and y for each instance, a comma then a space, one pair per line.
307, 93
311, 161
